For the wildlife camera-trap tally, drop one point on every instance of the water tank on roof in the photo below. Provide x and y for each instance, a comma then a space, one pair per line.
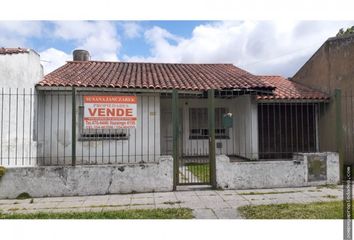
81, 55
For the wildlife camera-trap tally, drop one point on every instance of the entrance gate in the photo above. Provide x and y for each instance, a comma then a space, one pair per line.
194, 167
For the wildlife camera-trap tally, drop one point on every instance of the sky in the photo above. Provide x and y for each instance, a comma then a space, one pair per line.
260, 47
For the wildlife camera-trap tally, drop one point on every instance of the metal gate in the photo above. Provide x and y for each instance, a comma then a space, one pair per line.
194, 165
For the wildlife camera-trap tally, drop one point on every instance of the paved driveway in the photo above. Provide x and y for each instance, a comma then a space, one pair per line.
206, 204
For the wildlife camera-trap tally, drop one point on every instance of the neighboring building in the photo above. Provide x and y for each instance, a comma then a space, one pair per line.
255, 102
20, 70
332, 67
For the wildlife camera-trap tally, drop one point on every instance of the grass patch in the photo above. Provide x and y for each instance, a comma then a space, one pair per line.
172, 202
331, 186
24, 195
200, 170
14, 209
261, 193
2, 171
330, 196
173, 213
318, 210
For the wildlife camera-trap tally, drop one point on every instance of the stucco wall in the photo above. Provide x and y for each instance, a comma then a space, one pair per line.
330, 68
269, 174
18, 75
54, 133
243, 136
21, 70
88, 180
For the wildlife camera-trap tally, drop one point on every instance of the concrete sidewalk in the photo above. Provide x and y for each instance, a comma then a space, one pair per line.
206, 204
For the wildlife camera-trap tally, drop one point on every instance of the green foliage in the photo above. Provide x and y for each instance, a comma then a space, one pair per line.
172, 202
348, 31
200, 170
24, 195
2, 171
318, 210
262, 193
168, 213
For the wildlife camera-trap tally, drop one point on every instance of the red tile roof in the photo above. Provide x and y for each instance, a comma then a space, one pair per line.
198, 77
286, 89
4, 51
153, 76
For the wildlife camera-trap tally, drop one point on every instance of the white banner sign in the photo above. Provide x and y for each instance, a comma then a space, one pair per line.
110, 112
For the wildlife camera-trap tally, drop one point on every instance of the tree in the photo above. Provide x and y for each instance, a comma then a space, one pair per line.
342, 33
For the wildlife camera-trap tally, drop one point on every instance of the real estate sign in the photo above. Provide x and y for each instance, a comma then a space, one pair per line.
110, 112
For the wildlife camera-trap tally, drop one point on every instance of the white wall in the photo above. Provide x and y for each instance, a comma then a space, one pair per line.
270, 174
21, 70
54, 133
245, 127
44, 181
18, 75
243, 135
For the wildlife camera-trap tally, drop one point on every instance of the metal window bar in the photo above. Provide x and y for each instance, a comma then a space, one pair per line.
34, 129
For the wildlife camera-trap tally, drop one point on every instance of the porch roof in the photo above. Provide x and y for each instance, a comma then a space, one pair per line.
194, 77
289, 90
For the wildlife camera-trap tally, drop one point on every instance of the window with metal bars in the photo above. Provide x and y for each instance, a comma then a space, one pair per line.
198, 123
99, 134
285, 129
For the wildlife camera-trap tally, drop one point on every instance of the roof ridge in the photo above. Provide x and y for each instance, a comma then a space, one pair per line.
271, 76
13, 50
71, 61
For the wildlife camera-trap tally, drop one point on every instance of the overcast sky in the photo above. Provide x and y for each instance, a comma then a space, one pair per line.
261, 47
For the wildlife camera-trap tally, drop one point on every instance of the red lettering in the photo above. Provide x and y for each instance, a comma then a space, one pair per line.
92, 111
129, 112
120, 112
110, 112
101, 112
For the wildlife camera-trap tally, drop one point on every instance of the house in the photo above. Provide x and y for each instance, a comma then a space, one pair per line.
272, 116
116, 127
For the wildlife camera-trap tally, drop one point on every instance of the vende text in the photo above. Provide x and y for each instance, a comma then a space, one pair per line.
110, 112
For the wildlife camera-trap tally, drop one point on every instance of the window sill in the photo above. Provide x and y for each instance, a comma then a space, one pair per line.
84, 139
206, 137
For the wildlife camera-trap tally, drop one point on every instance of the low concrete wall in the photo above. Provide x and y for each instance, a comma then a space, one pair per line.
332, 168
272, 174
88, 180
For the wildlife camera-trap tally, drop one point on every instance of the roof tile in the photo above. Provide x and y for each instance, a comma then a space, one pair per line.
4, 51
286, 89
153, 76
197, 77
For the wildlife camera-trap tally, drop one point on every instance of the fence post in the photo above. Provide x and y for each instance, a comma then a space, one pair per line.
73, 126
339, 129
211, 123
175, 126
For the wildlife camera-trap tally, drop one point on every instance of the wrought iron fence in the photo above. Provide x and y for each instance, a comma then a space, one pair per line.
248, 126
36, 128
